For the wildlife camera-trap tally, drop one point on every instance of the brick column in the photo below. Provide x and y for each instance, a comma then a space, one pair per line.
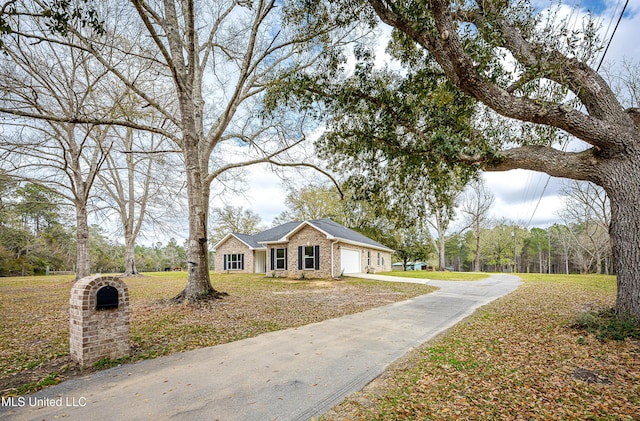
97, 334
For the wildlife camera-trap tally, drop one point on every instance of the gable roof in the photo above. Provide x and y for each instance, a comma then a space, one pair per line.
281, 234
335, 231
253, 240
244, 238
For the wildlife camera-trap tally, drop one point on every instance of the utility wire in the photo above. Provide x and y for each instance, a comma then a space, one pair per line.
613, 15
539, 200
624, 8
612, 34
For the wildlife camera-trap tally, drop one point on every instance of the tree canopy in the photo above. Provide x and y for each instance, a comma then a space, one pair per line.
484, 85
545, 53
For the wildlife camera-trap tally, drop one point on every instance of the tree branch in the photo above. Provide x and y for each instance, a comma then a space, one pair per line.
86, 120
448, 50
315, 167
574, 165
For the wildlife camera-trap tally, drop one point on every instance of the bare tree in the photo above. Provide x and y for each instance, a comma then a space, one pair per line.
561, 236
475, 205
234, 219
313, 202
55, 83
238, 47
218, 59
138, 184
440, 211
587, 215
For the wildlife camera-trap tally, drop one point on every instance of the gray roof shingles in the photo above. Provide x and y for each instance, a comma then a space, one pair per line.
340, 231
327, 225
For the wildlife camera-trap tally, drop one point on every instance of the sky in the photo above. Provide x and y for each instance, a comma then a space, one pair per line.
528, 198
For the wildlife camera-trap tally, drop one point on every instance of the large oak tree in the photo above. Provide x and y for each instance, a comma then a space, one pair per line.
469, 41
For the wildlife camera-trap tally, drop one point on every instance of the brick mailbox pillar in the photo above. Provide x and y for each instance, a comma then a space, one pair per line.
99, 319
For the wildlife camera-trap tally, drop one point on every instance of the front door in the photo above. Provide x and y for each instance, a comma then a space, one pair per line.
260, 261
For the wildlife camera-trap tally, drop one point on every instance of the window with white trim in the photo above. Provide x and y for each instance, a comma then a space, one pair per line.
309, 258
281, 259
234, 261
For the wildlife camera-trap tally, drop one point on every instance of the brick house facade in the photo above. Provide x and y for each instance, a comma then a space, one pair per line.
318, 249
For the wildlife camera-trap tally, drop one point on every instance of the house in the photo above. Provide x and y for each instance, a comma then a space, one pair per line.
318, 248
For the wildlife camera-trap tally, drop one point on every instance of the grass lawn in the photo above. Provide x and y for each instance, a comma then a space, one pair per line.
440, 276
519, 357
34, 334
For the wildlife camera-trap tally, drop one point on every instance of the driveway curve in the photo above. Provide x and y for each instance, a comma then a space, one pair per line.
293, 374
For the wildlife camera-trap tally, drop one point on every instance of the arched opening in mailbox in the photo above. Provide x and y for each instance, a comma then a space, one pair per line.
106, 298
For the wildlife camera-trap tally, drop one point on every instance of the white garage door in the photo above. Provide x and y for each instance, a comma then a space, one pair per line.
350, 261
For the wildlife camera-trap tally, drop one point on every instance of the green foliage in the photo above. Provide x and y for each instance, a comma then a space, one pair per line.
50, 380
395, 136
607, 325
33, 234
57, 15
394, 133
105, 363
61, 14
410, 244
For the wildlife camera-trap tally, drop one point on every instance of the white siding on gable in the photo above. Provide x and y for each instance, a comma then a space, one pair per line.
350, 261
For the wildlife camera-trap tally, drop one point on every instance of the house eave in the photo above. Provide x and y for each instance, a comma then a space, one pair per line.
363, 245
273, 242
226, 237
302, 224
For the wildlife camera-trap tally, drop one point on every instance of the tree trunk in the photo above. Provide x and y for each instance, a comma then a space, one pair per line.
624, 194
82, 242
477, 261
441, 254
198, 281
127, 213
130, 257
540, 261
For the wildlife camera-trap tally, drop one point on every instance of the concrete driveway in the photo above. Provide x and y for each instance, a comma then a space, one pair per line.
293, 374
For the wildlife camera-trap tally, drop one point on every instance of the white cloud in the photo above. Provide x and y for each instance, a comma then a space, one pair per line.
264, 193
624, 43
529, 198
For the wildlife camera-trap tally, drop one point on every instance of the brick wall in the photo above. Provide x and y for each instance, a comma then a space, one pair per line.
234, 246
97, 334
380, 261
307, 236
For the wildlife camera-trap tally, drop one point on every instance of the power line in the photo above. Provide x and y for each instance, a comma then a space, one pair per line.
612, 34
613, 15
539, 200
624, 8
